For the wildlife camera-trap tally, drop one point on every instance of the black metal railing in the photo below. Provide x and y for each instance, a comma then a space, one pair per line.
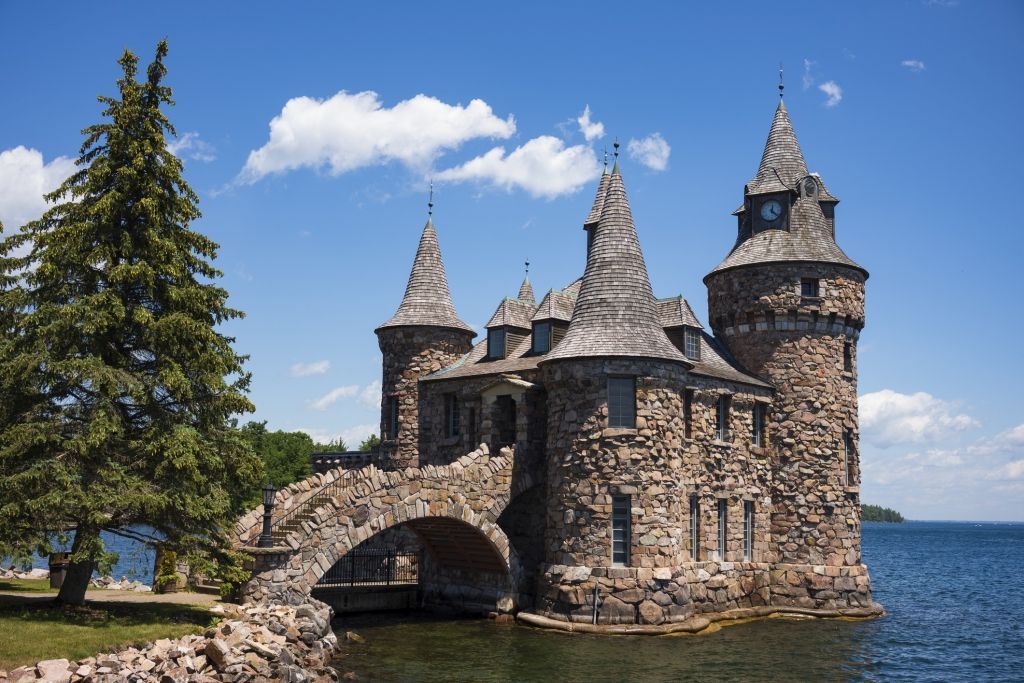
373, 567
322, 462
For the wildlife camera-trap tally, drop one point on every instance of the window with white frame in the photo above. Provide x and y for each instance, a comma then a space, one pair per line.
748, 530
757, 426
622, 402
620, 530
723, 506
691, 342
722, 418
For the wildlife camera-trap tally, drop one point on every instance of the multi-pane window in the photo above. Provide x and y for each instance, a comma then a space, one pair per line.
392, 418
809, 286
496, 343
451, 415
722, 520
847, 456
847, 357
542, 337
748, 530
620, 530
622, 402
757, 427
691, 339
722, 418
688, 413
694, 528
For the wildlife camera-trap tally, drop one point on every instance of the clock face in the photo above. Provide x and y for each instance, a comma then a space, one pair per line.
771, 210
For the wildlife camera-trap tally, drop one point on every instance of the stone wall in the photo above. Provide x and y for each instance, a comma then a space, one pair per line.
797, 343
410, 353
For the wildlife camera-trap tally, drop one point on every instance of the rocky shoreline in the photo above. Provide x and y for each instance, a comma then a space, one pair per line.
105, 582
254, 642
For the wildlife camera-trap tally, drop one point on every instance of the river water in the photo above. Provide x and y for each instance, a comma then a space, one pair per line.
953, 591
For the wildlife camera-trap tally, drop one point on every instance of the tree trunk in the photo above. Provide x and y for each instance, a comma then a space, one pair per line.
72, 591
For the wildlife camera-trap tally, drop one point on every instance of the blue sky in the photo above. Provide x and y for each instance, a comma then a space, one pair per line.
910, 110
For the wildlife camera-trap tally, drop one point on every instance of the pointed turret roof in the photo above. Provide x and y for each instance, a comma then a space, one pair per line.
615, 314
782, 162
526, 291
595, 211
427, 301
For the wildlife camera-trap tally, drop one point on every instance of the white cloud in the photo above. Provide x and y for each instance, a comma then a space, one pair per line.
592, 130
888, 417
651, 151
353, 130
24, 179
319, 367
808, 78
333, 396
915, 65
190, 146
543, 166
370, 395
834, 92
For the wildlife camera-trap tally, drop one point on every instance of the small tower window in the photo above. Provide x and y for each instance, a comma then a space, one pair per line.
847, 357
496, 343
809, 287
622, 402
620, 530
542, 337
688, 413
451, 415
748, 530
691, 337
694, 528
847, 457
723, 506
722, 418
392, 418
757, 434
474, 434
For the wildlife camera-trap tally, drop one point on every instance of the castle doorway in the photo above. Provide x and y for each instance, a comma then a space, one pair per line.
504, 422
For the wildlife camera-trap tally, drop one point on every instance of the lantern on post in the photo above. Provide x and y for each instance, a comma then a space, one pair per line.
266, 539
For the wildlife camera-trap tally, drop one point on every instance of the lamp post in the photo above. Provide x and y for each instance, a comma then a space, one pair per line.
266, 539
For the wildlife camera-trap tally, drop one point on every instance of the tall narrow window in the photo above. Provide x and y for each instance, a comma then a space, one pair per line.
847, 457
496, 343
748, 530
847, 357
722, 533
688, 413
757, 434
694, 528
620, 530
722, 418
542, 337
392, 417
451, 414
809, 287
691, 338
622, 402
474, 436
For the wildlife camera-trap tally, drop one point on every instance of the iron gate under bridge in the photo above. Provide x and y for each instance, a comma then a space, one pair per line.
372, 579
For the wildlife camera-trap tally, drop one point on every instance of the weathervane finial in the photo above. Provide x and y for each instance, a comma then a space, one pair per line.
527, 264
606, 158
430, 201
782, 85
616, 146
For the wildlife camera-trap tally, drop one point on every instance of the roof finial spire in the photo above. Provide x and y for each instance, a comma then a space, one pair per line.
527, 264
782, 86
605, 159
615, 145
430, 201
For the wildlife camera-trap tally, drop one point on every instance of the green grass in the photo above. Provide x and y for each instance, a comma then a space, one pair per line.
27, 585
29, 633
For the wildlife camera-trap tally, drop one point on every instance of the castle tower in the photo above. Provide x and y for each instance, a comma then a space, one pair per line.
423, 336
614, 385
790, 306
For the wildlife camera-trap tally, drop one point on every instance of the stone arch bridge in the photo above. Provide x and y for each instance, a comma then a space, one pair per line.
453, 510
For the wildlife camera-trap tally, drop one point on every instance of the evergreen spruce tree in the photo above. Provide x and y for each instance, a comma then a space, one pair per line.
118, 387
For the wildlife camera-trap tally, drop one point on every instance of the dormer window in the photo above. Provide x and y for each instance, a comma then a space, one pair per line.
691, 338
496, 343
541, 337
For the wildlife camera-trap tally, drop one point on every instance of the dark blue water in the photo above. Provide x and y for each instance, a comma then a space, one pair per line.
953, 591
135, 559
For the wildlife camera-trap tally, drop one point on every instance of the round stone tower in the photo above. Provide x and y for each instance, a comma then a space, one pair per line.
423, 336
790, 306
615, 430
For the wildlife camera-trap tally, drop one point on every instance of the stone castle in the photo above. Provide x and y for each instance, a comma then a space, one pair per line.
603, 458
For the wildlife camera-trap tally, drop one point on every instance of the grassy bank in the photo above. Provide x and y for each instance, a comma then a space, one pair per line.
29, 633
27, 586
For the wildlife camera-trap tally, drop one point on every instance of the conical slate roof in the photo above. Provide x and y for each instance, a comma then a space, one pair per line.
526, 291
782, 162
615, 313
427, 301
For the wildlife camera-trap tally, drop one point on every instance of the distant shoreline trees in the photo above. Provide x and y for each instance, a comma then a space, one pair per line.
877, 513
